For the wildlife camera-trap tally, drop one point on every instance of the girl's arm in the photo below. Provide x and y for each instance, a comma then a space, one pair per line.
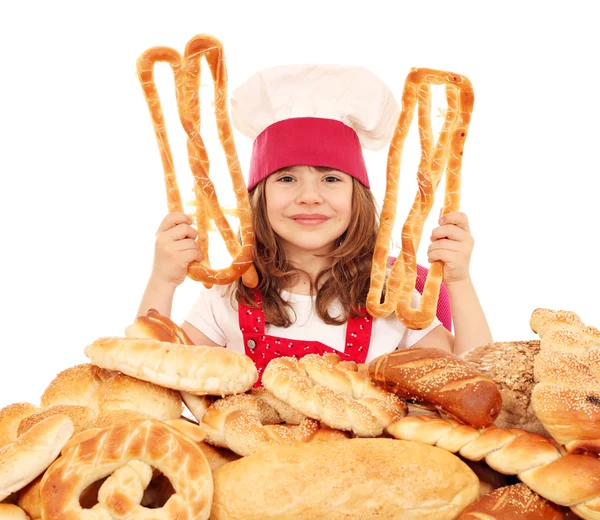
471, 328
452, 243
158, 295
197, 336
470, 325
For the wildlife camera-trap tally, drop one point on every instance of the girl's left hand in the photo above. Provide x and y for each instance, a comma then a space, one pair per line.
452, 243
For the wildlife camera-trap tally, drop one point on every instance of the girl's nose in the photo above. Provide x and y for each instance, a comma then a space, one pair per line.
308, 193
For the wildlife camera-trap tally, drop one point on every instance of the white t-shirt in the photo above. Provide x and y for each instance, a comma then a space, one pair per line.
214, 316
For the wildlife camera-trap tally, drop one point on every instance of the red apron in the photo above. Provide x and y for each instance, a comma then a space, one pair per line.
262, 348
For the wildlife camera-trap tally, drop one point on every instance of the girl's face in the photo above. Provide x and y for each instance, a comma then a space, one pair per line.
309, 209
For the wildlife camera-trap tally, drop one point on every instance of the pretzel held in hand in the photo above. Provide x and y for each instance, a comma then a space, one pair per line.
186, 70
434, 159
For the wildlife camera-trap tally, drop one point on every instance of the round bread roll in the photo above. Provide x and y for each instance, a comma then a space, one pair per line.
75, 386
512, 502
123, 392
354, 478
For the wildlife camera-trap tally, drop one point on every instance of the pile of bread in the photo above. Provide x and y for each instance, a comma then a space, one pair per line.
511, 431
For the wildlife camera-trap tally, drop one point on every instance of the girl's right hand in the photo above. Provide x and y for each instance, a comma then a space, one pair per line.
175, 249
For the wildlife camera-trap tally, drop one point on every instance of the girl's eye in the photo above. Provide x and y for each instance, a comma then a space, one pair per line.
331, 178
285, 178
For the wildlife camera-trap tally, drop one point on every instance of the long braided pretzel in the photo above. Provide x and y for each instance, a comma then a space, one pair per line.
434, 159
186, 71
571, 480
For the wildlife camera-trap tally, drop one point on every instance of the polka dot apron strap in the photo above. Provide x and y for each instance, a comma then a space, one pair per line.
358, 337
251, 320
252, 323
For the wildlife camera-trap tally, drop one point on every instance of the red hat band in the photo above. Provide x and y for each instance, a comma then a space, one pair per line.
307, 141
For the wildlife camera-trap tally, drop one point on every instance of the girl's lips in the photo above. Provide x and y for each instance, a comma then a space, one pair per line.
309, 220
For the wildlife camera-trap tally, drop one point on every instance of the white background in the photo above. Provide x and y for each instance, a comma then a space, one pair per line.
82, 192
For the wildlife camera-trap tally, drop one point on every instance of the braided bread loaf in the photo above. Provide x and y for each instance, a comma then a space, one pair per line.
566, 397
571, 480
333, 392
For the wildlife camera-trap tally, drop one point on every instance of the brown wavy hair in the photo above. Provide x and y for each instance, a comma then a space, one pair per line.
347, 278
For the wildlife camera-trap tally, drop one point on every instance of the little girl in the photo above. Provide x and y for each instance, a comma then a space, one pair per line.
316, 224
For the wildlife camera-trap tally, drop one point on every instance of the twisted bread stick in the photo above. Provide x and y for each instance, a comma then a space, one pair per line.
448, 149
187, 82
571, 480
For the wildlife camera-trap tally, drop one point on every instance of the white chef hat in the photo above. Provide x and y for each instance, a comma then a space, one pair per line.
318, 115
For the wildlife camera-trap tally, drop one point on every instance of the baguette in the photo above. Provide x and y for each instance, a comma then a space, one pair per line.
439, 378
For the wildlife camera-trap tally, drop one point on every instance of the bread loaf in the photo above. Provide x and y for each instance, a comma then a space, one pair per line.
355, 478
196, 369
435, 376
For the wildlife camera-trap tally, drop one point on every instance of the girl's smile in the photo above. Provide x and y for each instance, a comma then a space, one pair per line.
309, 219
